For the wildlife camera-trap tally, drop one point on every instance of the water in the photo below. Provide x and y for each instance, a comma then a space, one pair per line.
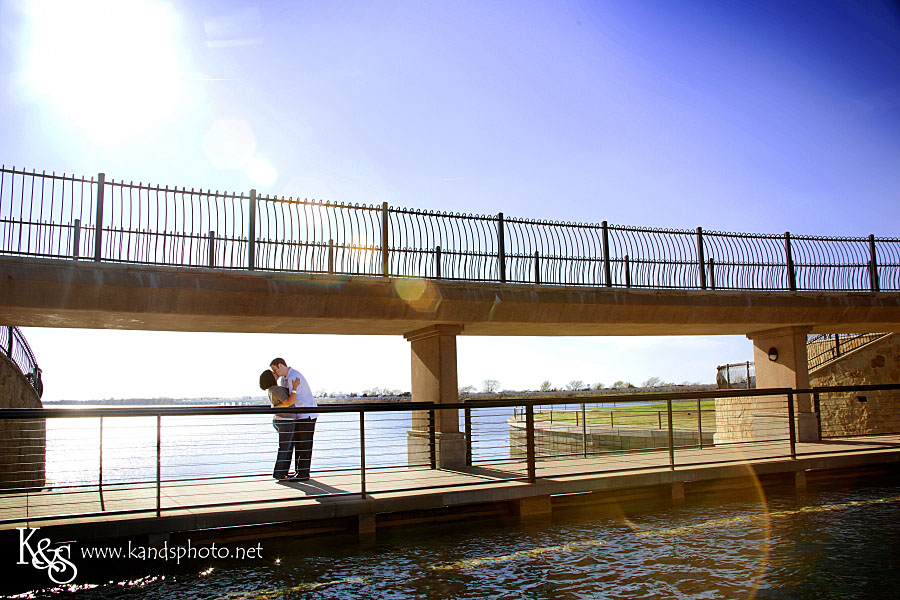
824, 543
207, 446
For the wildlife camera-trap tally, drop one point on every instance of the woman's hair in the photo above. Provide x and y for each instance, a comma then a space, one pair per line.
266, 379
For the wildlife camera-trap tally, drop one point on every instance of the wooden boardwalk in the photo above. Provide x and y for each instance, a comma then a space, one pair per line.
240, 501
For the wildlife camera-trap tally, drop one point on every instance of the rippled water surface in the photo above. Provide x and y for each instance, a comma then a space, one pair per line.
823, 543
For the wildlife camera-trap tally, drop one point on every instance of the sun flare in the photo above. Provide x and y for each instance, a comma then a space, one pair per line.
110, 66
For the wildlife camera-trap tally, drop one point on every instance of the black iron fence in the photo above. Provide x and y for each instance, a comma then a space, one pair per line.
60, 463
16, 348
100, 219
824, 348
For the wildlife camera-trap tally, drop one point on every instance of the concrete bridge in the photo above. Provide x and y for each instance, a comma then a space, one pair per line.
168, 259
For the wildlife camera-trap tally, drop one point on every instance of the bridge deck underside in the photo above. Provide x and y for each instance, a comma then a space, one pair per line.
255, 500
56, 293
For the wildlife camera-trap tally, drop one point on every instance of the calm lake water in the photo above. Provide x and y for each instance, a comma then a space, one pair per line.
195, 446
823, 543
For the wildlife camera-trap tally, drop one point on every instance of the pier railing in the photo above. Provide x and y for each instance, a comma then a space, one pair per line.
62, 463
105, 220
14, 345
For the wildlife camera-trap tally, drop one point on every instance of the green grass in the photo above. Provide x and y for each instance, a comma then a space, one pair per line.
684, 415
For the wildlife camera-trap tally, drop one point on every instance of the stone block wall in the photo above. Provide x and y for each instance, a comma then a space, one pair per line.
845, 414
22, 443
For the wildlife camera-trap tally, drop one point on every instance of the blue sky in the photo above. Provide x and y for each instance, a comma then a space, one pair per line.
737, 116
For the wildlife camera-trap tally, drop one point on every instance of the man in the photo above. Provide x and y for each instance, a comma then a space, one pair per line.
304, 424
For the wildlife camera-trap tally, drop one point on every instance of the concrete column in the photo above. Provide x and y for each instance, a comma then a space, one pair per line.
434, 380
790, 369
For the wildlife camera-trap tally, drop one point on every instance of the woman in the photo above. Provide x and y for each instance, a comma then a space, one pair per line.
284, 424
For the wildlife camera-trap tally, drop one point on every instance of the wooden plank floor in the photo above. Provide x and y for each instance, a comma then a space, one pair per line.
223, 495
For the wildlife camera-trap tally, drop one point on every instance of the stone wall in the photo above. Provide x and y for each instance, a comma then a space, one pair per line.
22, 443
861, 412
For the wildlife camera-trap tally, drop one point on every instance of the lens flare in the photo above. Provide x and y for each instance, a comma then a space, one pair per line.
421, 295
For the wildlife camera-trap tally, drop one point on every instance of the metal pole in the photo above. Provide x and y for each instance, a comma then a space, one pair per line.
76, 239
607, 269
817, 405
158, 462
789, 255
9, 341
501, 247
699, 424
251, 233
468, 418
437, 263
627, 272
748, 374
712, 273
212, 248
98, 227
432, 441
791, 427
331, 256
659, 419
700, 260
362, 454
584, 429
873, 266
537, 268
530, 457
671, 436
100, 465
384, 239
837, 345
611, 424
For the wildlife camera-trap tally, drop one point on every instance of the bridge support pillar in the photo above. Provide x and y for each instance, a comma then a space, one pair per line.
434, 380
790, 369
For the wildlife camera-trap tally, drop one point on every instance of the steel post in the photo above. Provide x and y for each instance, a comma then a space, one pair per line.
789, 257
607, 268
873, 266
98, 226
76, 239
501, 247
362, 454
468, 422
792, 427
384, 239
671, 436
251, 233
158, 463
530, 454
700, 260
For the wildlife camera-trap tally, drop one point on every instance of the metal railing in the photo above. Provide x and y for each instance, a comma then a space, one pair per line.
821, 349
16, 348
827, 347
62, 463
68, 217
736, 376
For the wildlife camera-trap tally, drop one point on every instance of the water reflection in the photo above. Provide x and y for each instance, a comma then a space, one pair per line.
827, 543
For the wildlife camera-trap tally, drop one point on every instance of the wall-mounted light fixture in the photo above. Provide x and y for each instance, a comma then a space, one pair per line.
773, 353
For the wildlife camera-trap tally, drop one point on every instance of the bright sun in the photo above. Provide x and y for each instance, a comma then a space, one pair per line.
110, 66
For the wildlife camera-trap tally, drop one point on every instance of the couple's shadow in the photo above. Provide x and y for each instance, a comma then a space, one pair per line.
313, 488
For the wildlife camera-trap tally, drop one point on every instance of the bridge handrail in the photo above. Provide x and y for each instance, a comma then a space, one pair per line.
69, 217
14, 345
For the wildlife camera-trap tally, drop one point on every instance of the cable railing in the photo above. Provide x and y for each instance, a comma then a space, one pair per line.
14, 345
61, 463
104, 220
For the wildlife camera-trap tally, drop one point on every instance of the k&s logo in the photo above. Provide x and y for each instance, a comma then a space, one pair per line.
56, 561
